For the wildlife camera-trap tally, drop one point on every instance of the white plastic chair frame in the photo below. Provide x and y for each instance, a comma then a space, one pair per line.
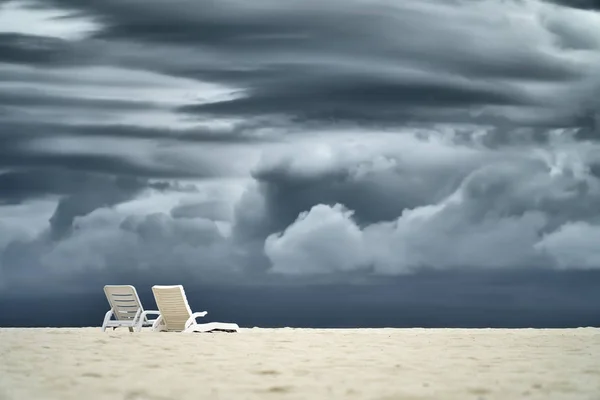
177, 316
126, 308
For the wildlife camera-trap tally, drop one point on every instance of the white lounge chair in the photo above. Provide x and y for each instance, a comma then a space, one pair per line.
126, 308
177, 316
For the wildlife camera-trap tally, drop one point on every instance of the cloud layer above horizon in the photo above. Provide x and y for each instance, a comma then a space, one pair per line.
297, 137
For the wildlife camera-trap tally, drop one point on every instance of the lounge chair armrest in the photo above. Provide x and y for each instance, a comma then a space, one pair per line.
107, 317
157, 322
150, 312
144, 318
192, 319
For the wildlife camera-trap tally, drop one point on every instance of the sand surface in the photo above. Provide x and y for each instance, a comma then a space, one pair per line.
300, 364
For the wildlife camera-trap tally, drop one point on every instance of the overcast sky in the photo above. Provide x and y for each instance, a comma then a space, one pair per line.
369, 162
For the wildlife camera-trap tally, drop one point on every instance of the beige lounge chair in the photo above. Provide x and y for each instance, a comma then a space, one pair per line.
177, 316
126, 308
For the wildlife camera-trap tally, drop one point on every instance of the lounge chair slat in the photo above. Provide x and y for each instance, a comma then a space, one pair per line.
175, 312
125, 307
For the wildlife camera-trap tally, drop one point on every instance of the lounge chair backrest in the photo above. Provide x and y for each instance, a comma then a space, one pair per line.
173, 306
124, 301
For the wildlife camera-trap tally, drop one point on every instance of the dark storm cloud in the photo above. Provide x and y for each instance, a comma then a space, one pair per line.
17, 186
93, 193
41, 99
17, 136
584, 4
81, 192
238, 133
473, 210
213, 210
378, 196
13, 157
339, 97
43, 50
357, 61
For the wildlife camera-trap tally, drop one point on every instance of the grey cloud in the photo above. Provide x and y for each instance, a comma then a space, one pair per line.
94, 163
397, 211
510, 223
246, 132
114, 243
356, 61
214, 210
82, 192
238, 133
376, 196
38, 98
16, 152
44, 106
518, 211
348, 98
376, 180
573, 36
584, 4
43, 50
20, 185
590, 125
95, 193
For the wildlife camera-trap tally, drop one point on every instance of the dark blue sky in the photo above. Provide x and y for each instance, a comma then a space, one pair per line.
504, 300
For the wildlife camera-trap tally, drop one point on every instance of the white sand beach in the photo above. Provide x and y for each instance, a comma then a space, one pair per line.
300, 364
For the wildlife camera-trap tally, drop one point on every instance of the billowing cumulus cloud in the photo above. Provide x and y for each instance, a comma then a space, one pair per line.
322, 240
509, 209
313, 141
